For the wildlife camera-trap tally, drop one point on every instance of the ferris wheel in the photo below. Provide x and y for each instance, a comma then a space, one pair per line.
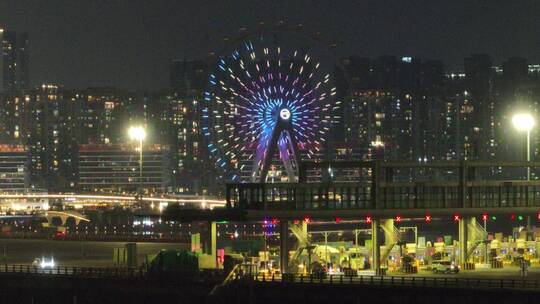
266, 103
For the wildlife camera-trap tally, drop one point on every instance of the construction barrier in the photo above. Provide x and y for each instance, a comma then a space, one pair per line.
496, 264
468, 266
409, 269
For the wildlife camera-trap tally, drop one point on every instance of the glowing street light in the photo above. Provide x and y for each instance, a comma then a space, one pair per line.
138, 133
525, 122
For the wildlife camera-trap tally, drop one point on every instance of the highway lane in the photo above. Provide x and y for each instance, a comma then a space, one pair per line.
74, 253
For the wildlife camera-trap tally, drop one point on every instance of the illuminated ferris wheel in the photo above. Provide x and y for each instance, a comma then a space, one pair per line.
266, 104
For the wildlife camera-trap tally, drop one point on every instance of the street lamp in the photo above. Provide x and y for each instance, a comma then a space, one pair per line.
525, 122
138, 133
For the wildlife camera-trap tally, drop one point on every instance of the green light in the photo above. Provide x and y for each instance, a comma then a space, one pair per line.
520, 217
494, 218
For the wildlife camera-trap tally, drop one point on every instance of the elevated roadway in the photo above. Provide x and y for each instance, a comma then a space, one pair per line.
465, 192
111, 199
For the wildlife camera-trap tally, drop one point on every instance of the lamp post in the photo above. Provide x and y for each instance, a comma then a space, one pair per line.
525, 122
138, 133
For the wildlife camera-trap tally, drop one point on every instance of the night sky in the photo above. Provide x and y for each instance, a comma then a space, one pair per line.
129, 43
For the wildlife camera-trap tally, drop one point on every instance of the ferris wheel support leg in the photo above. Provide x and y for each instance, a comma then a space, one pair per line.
268, 154
294, 175
289, 161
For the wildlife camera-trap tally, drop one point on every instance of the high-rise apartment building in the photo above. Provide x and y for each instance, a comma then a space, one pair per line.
479, 83
14, 168
391, 106
14, 74
192, 171
97, 113
188, 77
49, 131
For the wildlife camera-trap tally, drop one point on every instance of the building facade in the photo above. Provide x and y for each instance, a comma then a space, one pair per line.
193, 172
115, 168
14, 61
14, 168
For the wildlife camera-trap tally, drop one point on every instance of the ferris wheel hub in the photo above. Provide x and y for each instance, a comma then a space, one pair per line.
285, 114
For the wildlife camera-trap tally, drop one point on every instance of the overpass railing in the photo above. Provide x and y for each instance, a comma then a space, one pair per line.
91, 272
446, 282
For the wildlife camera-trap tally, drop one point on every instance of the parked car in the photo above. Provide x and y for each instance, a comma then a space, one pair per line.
444, 267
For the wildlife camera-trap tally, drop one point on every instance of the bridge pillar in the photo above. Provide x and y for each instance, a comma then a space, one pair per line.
391, 238
376, 247
463, 242
63, 220
283, 250
213, 242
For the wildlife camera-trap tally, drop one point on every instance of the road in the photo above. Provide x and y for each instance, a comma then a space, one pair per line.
74, 253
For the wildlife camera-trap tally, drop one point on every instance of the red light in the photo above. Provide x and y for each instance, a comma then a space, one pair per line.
457, 217
398, 218
538, 216
428, 218
338, 220
296, 222
275, 221
485, 217
512, 217
369, 219
307, 219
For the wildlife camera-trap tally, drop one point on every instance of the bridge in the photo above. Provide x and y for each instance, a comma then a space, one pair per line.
64, 216
92, 199
383, 195
460, 190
